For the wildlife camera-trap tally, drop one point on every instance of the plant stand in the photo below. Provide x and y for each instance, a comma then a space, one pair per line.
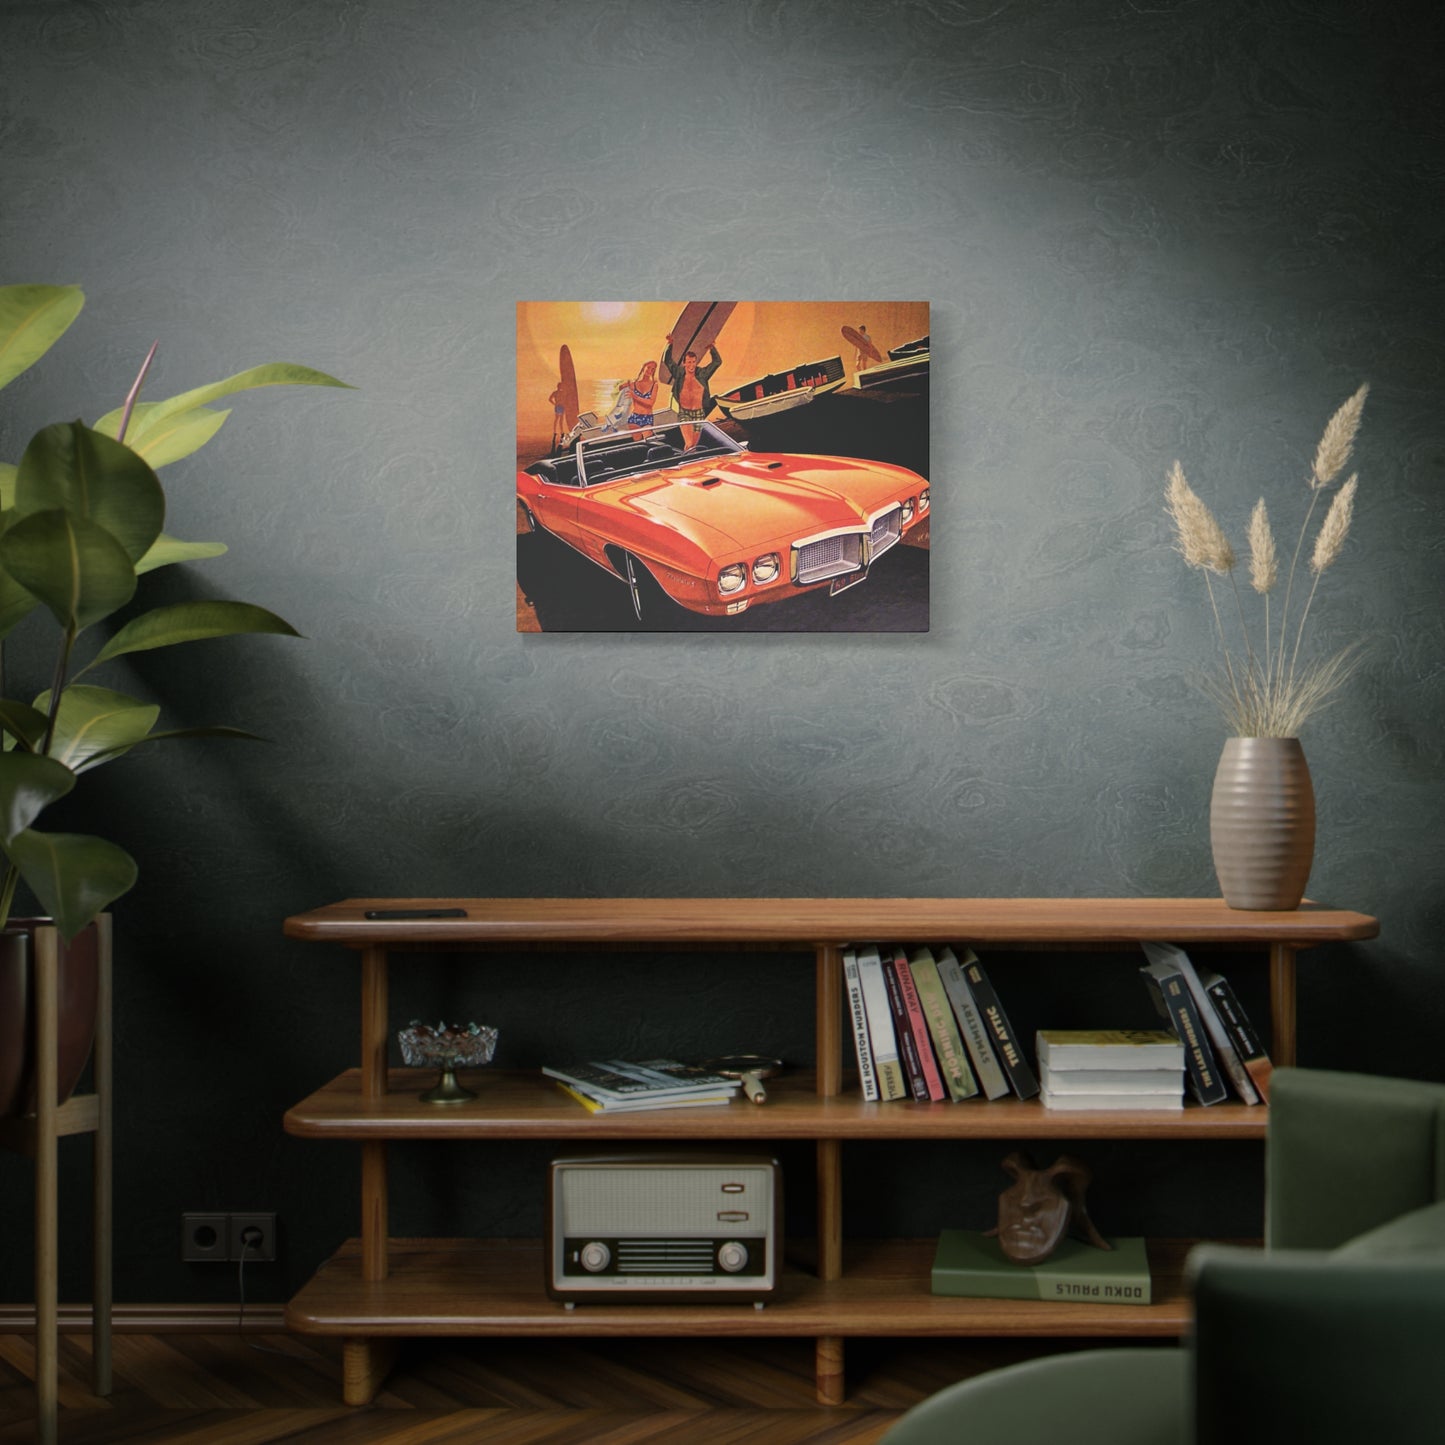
38, 1135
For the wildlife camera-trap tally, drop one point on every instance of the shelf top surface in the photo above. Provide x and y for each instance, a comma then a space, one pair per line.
808, 922
526, 1105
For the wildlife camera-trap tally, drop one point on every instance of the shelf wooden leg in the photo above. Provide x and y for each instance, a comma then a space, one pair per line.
1282, 1002
365, 1363
102, 1210
830, 1208
46, 973
374, 1265
374, 1223
829, 971
829, 1370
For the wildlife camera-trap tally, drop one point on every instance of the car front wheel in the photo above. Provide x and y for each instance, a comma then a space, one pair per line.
651, 606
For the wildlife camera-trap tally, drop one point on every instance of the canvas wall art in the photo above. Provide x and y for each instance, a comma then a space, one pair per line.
722, 466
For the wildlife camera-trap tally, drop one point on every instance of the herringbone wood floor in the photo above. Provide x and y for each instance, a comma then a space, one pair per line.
204, 1389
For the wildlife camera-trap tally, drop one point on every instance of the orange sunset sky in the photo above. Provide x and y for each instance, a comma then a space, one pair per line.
611, 339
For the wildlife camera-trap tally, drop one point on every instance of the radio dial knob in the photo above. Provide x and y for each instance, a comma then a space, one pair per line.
595, 1256
732, 1256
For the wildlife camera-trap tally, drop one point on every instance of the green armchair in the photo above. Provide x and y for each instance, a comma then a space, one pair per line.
1334, 1332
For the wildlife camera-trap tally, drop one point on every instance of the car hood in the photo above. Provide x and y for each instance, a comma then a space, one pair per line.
757, 498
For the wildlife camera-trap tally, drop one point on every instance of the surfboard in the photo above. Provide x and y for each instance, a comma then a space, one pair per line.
862, 343
567, 387
698, 327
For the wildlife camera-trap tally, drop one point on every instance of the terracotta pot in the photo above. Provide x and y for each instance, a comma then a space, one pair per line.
79, 983
1262, 823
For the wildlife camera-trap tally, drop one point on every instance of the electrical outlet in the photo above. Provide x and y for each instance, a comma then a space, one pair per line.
221, 1238
252, 1249
205, 1237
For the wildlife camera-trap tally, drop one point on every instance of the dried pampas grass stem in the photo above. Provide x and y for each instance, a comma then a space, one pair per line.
1260, 694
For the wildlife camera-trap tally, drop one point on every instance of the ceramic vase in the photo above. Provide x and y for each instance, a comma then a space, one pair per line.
1262, 823
78, 986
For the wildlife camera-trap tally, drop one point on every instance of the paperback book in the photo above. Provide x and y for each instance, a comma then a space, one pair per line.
858, 1022
970, 1264
1241, 1031
620, 1081
931, 1079
1001, 1033
971, 1023
637, 1106
1117, 1049
1175, 1004
887, 1062
942, 1027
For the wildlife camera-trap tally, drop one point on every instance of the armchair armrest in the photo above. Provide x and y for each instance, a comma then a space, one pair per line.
1307, 1345
1348, 1152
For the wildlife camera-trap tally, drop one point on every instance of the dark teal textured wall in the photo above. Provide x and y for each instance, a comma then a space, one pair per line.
1147, 231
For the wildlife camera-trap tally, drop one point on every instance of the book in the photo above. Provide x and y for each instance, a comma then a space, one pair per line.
1113, 1081
973, 1265
907, 1045
970, 1023
881, 1034
1112, 1099
1241, 1032
1001, 1032
933, 1085
858, 1018
1224, 1051
637, 1106
942, 1027
1108, 1049
618, 1080
1175, 1003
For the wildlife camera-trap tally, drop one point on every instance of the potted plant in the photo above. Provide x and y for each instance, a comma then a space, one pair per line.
81, 520
1262, 810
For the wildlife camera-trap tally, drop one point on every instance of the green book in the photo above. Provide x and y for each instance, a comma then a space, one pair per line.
974, 1265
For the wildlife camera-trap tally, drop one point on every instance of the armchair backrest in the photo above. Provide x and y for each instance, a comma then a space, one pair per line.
1348, 1152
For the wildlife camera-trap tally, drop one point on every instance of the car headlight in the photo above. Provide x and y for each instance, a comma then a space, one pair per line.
731, 578
766, 568
923, 500
909, 507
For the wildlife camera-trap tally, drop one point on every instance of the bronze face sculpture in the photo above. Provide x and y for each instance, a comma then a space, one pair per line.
1040, 1207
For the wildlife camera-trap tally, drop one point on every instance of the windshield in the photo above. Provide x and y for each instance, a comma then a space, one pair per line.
627, 454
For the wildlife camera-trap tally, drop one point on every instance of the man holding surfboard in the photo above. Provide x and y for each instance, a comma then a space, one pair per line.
691, 398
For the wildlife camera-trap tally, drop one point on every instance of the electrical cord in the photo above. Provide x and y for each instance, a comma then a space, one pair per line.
250, 1238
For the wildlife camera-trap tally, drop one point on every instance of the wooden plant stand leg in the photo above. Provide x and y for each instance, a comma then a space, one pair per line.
46, 972
102, 1296
365, 1363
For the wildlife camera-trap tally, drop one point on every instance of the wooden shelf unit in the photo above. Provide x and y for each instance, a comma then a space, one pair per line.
38, 1136
377, 1289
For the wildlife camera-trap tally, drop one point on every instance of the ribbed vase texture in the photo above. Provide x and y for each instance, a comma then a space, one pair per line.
1262, 823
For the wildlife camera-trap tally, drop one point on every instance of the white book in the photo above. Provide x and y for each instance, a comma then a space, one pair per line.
858, 1017
1224, 1049
1111, 1081
1111, 1101
1109, 1049
986, 1066
887, 1063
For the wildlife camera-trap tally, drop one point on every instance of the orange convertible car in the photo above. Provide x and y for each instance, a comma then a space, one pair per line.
714, 527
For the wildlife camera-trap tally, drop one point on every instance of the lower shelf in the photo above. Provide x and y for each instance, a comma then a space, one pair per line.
495, 1287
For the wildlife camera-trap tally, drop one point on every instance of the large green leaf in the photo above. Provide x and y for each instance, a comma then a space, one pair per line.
170, 438
149, 419
7, 486
32, 320
74, 566
74, 876
95, 720
168, 550
28, 785
190, 622
15, 601
90, 475
21, 721
217, 731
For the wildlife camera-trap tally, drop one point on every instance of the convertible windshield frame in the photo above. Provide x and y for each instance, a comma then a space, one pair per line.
612, 456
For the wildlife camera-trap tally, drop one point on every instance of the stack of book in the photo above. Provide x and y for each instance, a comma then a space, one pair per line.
1111, 1069
618, 1085
928, 1025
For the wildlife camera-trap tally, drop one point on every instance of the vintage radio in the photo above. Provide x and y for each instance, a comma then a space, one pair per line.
664, 1225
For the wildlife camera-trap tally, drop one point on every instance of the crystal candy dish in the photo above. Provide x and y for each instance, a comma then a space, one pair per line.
447, 1047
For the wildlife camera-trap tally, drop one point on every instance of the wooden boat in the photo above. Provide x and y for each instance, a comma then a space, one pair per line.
780, 391
906, 367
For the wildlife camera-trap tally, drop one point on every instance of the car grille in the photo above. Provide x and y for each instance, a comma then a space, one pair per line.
828, 557
886, 530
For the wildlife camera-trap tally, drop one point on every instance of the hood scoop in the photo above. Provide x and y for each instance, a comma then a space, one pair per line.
710, 482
